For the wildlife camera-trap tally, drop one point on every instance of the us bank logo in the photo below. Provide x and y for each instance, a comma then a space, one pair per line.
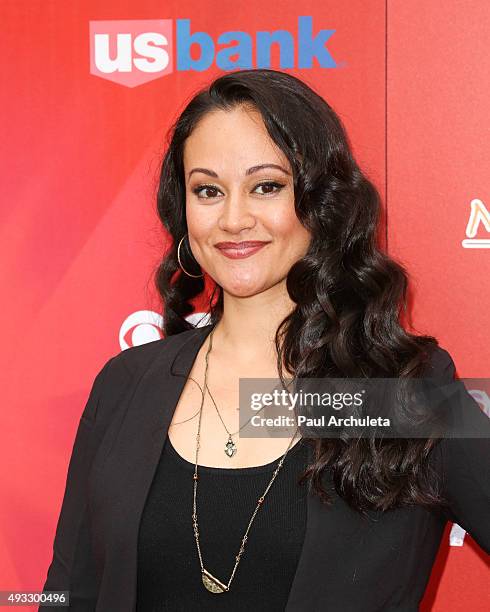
479, 216
133, 52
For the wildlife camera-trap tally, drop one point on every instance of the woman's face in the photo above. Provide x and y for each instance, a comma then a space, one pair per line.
239, 187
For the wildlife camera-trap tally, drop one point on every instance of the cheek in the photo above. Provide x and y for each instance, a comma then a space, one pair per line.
199, 221
289, 231
285, 224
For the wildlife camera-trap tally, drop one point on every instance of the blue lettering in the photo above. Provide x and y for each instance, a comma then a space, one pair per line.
184, 41
310, 48
243, 48
286, 44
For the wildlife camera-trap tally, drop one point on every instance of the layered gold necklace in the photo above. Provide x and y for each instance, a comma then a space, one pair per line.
213, 584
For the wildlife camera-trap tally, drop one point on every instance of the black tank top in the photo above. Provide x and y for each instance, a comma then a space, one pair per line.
169, 572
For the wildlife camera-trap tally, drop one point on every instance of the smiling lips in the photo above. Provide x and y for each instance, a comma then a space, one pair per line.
239, 250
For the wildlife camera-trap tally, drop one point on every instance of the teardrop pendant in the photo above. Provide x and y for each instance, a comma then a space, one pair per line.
230, 448
212, 584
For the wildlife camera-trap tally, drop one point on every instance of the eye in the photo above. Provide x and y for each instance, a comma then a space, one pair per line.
270, 186
197, 190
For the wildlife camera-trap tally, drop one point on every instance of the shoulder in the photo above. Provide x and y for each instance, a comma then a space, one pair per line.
121, 372
441, 364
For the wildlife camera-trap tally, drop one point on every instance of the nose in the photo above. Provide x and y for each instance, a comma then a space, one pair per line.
235, 214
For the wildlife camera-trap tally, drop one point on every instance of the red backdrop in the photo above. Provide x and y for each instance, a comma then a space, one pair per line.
83, 136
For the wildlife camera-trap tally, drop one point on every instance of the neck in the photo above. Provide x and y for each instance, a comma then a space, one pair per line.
248, 326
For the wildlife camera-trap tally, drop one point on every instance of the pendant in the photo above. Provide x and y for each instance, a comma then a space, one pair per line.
230, 448
212, 583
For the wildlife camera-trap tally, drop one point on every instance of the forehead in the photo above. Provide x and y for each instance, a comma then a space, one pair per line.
231, 141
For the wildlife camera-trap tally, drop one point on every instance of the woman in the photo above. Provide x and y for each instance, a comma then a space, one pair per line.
166, 506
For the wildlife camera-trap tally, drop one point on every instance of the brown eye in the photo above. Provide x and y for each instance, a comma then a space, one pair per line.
207, 189
270, 187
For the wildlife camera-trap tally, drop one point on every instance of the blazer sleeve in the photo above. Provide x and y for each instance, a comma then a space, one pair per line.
466, 464
72, 566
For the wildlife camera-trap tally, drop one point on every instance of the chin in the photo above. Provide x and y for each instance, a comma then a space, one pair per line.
244, 289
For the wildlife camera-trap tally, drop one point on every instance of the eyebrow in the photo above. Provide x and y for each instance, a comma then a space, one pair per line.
247, 173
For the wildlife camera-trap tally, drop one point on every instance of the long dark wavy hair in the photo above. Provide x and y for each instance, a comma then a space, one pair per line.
349, 294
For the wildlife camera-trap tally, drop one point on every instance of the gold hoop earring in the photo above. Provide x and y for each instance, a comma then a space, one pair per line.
180, 263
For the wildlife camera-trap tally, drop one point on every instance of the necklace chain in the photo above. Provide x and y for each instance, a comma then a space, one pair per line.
230, 447
220, 417
211, 582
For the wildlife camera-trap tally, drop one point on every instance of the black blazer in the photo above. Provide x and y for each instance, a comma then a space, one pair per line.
347, 564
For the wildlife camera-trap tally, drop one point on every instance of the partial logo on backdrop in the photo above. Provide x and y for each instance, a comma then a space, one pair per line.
132, 52
145, 326
479, 218
140, 327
